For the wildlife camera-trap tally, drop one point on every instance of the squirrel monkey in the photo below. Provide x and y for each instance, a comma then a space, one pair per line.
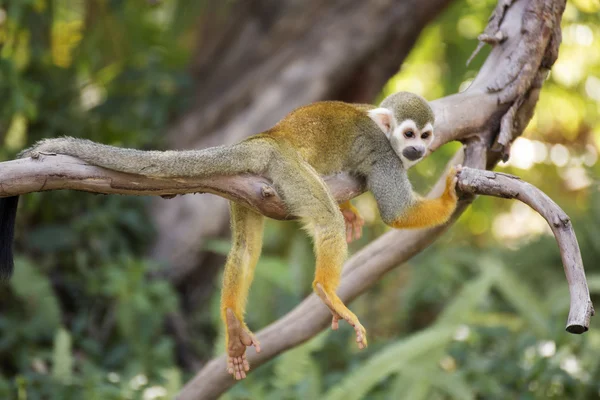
378, 144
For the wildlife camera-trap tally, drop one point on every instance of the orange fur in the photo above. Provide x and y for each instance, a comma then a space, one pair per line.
430, 212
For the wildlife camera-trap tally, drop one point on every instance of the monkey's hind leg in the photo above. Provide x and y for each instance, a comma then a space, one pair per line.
247, 230
307, 197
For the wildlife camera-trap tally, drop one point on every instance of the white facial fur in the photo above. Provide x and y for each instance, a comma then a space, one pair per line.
406, 139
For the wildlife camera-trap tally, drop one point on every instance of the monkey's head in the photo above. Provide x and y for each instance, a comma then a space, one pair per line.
407, 121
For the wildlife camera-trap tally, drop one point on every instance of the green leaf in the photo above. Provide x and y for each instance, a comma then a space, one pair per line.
298, 365
390, 360
521, 297
37, 294
62, 359
455, 385
466, 300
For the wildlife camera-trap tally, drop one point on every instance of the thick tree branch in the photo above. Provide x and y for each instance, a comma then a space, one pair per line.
57, 171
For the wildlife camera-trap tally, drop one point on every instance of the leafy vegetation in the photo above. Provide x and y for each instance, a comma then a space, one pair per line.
479, 315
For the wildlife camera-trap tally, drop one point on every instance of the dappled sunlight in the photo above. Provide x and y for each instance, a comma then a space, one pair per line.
559, 155
576, 178
546, 348
524, 153
521, 222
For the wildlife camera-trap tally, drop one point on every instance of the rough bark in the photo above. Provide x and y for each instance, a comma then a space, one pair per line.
258, 60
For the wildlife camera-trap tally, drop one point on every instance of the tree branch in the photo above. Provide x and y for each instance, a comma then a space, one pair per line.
58, 171
511, 187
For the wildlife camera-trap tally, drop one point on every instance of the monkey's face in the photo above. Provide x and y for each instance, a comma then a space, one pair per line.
410, 141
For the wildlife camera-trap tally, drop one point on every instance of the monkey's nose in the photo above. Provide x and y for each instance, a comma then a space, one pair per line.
413, 153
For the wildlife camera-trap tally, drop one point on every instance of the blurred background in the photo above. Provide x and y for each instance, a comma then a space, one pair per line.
117, 297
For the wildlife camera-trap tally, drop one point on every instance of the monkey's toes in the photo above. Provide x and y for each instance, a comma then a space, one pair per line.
361, 336
249, 339
238, 366
335, 322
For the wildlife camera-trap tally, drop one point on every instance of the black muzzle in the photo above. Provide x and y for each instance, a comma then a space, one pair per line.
413, 153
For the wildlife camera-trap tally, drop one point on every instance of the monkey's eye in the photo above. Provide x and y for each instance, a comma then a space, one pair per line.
425, 135
409, 134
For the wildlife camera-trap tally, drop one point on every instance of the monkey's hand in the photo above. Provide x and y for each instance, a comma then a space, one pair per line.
354, 222
424, 213
238, 338
451, 180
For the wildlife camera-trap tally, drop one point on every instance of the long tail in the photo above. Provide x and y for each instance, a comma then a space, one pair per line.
8, 213
247, 156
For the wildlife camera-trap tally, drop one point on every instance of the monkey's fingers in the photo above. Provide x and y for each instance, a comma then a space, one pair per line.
238, 338
354, 223
348, 232
245, 363
358, 226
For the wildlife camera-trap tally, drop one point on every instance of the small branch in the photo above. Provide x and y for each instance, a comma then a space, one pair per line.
492, 34
510, 187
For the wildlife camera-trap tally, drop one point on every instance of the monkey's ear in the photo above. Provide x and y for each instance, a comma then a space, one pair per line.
384, 119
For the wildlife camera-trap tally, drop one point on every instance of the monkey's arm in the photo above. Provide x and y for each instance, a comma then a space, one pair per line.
430, 212
399, 206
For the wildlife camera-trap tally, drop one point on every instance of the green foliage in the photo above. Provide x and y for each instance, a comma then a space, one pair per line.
82, 318
62, 359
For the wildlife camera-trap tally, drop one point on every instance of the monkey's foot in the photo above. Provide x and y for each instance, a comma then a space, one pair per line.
238, 338
340, 311
354, 222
